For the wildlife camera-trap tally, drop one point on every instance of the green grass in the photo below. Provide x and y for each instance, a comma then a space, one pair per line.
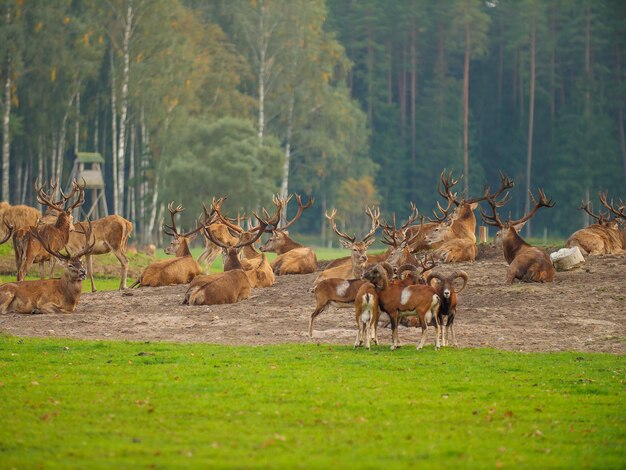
79, 404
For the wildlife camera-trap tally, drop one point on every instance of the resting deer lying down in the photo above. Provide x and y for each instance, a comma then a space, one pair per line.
526, 262
178, 270
607, 236
51, 295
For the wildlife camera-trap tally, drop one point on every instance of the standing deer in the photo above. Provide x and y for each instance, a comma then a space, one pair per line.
28, 249
178, 270
293, 258
607, 236
51, 295
111, 235
526, 263
358, 249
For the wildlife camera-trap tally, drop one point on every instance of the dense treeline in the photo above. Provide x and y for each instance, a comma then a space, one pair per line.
351, 102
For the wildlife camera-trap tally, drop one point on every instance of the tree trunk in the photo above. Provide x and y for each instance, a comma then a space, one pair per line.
121, 146
262, 71
413, 94
466, 71
531, 117
6, 120
114, 134
130, 206
620, 106
284, 188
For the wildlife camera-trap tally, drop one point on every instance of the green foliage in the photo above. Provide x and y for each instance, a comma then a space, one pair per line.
121, 404
222, 159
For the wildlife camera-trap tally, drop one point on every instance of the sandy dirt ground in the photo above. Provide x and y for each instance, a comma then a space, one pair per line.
583, 310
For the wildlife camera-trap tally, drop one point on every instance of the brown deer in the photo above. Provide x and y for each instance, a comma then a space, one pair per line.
111, 235
19, 217
28, 248
398, 252
259, 270
358, 249
454, 239
526, 263
220, 230
607, 236
51, 295
293, 258
178, 270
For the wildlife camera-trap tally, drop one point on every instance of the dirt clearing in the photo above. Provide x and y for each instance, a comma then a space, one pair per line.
582, 310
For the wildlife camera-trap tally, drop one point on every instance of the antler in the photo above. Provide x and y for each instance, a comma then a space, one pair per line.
586, 206
543, 202
505, 184
374, 215
301, 208
448, 183
445, 212
427, 263
216, 208
46, 199
494, 220
392, 231
619, 212
171, 230
345, 236
265, 225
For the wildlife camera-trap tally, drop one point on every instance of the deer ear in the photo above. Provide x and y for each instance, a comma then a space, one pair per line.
192, 237
473, 205
519, 227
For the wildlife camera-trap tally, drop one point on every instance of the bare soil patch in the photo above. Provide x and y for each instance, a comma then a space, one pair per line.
583, 310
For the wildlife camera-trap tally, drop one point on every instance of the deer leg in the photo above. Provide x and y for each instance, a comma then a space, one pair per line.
6, 298
395, 341
424, 334
42, 270
315, 313
89, 261
123, 259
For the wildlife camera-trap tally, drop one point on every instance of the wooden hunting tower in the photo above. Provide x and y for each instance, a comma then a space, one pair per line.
88, 167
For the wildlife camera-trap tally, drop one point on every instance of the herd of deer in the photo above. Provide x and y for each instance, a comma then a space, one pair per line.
400, 282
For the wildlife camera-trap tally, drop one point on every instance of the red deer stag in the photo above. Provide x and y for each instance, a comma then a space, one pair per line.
454, 239
607, 236
28, 248
111, 235
358, 249
221, 230
52, 295
293, 258
526, 263
178, 270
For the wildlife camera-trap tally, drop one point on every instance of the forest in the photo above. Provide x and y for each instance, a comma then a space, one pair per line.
351, 102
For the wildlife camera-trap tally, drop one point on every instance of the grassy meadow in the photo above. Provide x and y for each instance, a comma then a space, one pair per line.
85, 404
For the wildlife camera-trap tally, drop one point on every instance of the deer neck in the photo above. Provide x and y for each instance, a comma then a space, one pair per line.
287, 245
183, 248
231, 260
465, 223
71, 286
512, 244
249, 252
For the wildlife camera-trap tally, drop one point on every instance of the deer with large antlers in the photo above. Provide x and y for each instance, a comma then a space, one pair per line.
607, 236
224, 230
358, 249
526, 262
454, 237
293, 258
51, 295
28, 248
178, 270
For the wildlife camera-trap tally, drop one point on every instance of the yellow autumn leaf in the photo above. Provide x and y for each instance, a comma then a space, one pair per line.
38, 26
53, 74
66, 20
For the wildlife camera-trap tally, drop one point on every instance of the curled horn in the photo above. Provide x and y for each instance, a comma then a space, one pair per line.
408, 267
388, 269
10, 230
463, 275
435, 275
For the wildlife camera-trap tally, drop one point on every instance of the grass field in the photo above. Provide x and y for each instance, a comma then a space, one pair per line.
132, 405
